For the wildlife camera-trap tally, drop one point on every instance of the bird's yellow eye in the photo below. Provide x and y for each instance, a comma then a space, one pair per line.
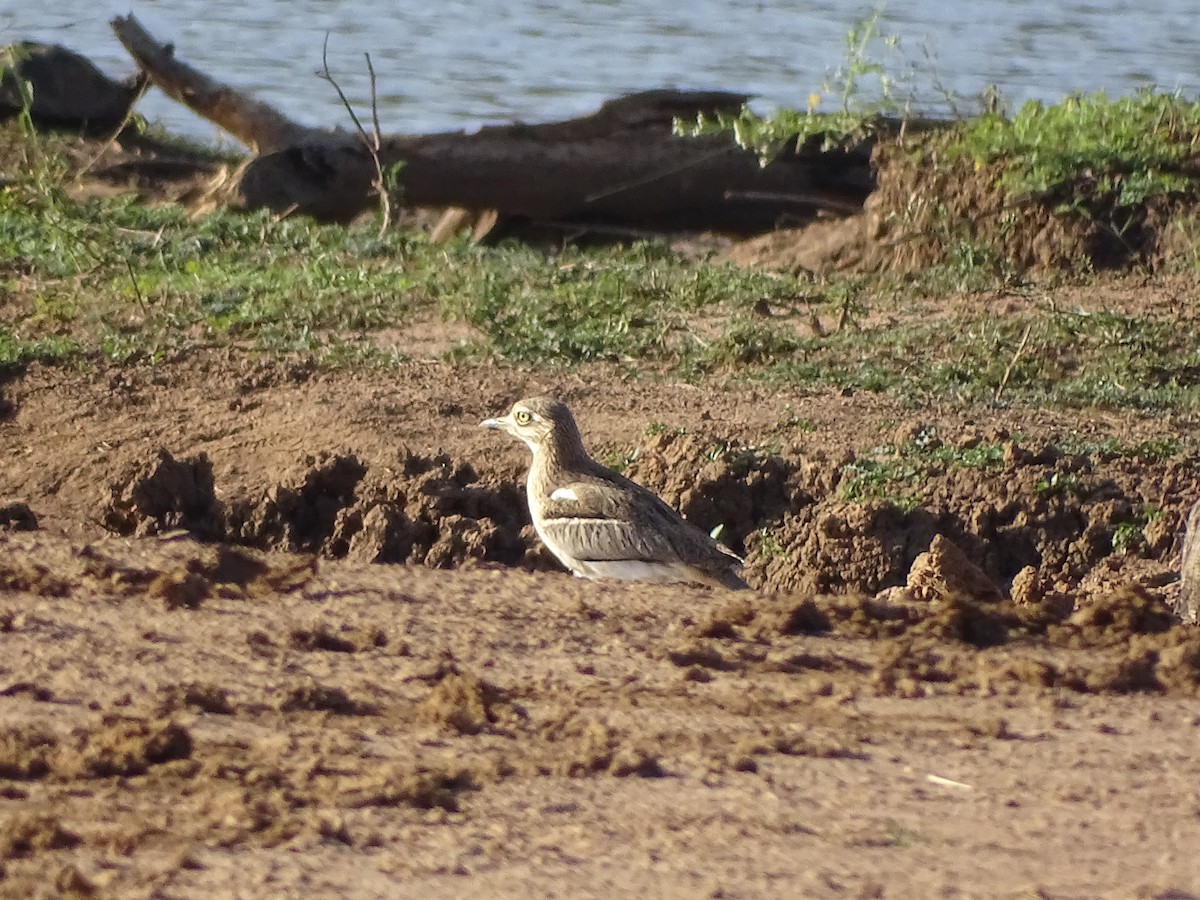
522, 416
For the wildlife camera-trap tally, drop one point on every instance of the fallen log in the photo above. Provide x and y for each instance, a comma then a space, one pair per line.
621, 166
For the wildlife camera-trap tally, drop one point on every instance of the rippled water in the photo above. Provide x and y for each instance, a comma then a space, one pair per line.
461, 63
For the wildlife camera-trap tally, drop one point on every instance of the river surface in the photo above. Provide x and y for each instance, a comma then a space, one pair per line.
451, 64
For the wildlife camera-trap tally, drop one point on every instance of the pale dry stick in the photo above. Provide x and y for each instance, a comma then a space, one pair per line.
1187, 607
817, 200
1012, 363
373, 143
643, 180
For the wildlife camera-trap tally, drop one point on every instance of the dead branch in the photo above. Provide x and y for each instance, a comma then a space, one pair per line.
259, 126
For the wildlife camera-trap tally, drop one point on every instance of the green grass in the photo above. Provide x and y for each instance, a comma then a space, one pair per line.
1128, 149
114, 279
891, 472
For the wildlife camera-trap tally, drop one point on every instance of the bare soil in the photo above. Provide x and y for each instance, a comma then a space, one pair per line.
270, 630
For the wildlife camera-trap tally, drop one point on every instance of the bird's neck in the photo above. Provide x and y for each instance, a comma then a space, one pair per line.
552, 457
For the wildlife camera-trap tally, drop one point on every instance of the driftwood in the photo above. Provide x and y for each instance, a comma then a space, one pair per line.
259, 126
620, 167
1188, 606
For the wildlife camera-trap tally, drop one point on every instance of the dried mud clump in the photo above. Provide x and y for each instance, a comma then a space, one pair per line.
436, 512
115, 746
209, 698
323, 637
165, 495
714, 482
17, 517
698, 654
468, 705
944, 570
18, 574
121, 747
180, 590
1038, 602
427, 510
590, 747
300, 516
25, 755
962, 618
1112, 618
844, 547
1178, 666
425, 788
314, 697
25, 835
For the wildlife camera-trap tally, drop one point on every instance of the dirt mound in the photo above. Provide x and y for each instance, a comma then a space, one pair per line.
715, 482
799, 519
929, 208
165, 495
1059, 514
115, 746
421, 509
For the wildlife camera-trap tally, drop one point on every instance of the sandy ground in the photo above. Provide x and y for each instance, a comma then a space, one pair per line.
314, 650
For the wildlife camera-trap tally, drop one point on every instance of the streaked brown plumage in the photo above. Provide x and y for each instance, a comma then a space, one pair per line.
600, 524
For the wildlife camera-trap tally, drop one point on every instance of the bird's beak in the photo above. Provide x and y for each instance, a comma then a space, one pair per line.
501, 423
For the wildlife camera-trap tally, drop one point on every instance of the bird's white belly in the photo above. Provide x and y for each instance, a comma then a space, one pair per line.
634, 570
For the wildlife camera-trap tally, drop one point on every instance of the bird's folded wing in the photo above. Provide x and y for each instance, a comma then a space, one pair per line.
593, 521
606, 540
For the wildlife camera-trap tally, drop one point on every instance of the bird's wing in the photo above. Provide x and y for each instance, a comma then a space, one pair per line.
595, 521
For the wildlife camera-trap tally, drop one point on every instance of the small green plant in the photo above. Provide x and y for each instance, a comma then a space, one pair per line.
766, 545
901, 835
16, 350
872, 479
1150, 450
1130, 536
1059, 483
657, 428
621, 460
1127, 537
790, 420
861, 87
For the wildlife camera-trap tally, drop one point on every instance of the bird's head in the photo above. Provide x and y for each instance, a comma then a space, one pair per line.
542, 423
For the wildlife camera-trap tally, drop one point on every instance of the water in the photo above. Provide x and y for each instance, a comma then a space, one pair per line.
462, 63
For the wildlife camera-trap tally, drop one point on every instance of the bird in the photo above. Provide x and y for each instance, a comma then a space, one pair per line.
598, 523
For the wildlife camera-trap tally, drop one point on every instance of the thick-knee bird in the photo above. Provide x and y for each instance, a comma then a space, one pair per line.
600, 524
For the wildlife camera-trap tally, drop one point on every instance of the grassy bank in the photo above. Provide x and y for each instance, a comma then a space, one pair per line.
91, 280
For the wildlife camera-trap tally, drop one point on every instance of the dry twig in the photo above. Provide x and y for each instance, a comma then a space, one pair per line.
374, 141
1012, 363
